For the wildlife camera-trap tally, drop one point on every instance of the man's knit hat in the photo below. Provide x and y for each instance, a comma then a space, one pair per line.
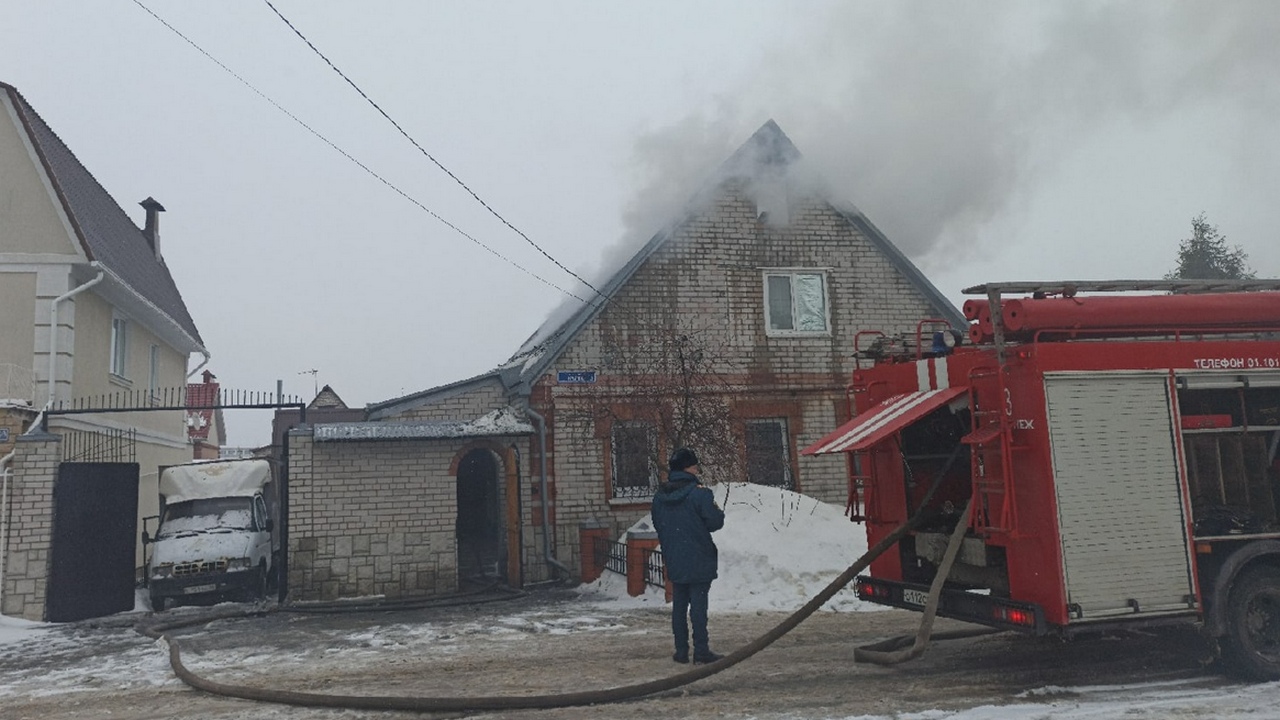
682, 458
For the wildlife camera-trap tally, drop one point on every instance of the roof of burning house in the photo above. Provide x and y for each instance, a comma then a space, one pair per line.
768, 148
767, 151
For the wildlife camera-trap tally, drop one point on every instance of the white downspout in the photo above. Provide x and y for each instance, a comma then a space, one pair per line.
53, 337
548, 550
4, 520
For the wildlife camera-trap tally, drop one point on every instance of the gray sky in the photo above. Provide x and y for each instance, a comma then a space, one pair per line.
989, 140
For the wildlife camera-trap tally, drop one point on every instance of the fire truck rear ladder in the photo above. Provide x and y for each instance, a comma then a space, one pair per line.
991, 440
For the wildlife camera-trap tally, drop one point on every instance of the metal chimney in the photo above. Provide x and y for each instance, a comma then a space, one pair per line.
152, 229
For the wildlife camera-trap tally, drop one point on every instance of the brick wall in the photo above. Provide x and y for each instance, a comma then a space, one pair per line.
707, 282
375, 518
30, 525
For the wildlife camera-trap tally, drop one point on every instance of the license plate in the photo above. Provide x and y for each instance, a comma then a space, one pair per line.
199, 589
915, 597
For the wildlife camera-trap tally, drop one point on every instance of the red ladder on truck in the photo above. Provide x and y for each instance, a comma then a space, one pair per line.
991, 456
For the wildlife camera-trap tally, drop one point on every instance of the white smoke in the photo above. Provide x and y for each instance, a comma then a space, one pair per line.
935, 118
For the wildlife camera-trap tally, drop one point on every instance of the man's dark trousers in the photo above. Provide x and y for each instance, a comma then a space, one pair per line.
689, 602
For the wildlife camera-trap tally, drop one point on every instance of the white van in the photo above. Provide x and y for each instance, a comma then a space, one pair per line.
217, 536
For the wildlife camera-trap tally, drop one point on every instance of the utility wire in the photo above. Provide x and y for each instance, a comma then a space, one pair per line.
362, 166
423, 150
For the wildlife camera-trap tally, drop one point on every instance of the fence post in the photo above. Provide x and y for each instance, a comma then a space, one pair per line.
639, 544
590, 535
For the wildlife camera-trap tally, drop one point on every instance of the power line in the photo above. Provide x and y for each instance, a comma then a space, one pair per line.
423, 150
362, 166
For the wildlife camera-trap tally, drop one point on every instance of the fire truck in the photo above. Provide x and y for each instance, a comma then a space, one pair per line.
1104, 455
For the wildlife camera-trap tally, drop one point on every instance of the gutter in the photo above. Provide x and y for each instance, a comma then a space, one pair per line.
119, 282
548, 551
207, 357
4, 519
52, 377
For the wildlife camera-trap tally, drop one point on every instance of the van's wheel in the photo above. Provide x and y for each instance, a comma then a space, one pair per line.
159, 603
258, 589
1252, 644
273, 575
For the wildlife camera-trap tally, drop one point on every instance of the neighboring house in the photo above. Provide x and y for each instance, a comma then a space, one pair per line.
732, 331
88, 307
325, 407
206, 430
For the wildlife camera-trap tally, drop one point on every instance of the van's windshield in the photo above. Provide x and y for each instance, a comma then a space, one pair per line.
207, 515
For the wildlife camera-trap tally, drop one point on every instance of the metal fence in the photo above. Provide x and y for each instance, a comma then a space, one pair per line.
655, 570
612, 556
17, 383
101, 446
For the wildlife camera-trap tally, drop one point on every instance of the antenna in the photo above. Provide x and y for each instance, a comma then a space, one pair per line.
314, 382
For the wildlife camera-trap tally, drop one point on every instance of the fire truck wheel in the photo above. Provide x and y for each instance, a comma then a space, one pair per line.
1252, 644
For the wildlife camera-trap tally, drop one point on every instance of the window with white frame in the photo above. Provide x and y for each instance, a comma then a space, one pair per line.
634, 447
768, 457
796, 302
153, 377
119, 345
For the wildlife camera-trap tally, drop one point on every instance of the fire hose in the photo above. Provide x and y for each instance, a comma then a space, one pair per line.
879, 653
887, 652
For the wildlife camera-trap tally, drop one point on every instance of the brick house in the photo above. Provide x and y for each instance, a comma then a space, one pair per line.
732, 331
206, 430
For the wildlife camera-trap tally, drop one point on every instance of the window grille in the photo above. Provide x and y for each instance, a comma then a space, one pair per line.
635, 472
768, 456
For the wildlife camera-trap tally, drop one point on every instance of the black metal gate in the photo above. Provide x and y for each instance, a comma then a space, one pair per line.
95, 531
120, 445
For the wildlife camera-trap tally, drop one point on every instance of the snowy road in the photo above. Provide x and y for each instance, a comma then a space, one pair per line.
558, 641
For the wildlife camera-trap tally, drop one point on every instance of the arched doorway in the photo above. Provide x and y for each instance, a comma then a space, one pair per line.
479, 524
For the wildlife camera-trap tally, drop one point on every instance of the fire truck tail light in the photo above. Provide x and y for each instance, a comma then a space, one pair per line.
1014, 615
870, 590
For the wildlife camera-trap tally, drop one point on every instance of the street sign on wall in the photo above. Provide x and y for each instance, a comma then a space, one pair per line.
576, 377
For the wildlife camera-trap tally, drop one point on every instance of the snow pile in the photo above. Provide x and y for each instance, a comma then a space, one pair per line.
777, 550
14, 629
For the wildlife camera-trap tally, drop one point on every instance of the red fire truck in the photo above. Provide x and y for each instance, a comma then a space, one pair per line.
1119, 450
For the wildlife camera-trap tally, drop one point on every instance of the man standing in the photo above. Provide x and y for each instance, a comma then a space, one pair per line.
685, 514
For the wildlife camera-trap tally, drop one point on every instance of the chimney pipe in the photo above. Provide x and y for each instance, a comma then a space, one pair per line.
152, 229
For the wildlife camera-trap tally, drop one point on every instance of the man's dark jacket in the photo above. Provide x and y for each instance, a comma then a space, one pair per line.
685, 514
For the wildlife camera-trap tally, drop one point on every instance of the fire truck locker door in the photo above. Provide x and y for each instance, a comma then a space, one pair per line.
1120, 513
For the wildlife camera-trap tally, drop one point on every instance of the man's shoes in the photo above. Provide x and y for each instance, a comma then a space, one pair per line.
681, 657
706, 658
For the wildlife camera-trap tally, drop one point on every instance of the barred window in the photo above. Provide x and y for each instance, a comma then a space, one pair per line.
635, 472
768, 460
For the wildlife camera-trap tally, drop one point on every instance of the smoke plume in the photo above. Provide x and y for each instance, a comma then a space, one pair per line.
935, 118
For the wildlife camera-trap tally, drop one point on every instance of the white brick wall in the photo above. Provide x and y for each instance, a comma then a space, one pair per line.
30, 523
373, 518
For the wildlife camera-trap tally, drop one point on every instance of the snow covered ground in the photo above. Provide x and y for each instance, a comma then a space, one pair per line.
776, 550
